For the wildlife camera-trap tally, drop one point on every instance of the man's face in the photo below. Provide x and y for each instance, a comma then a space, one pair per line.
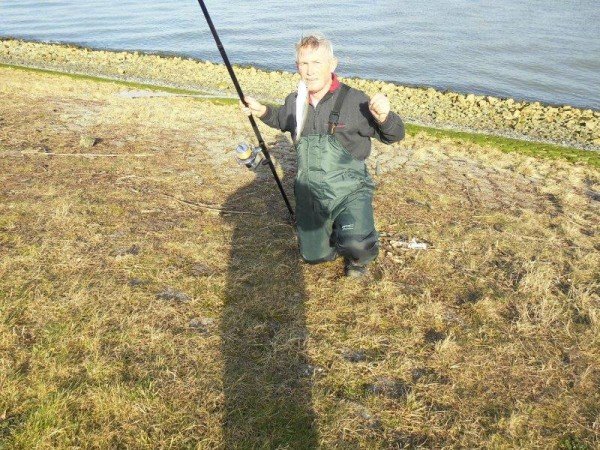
315, 67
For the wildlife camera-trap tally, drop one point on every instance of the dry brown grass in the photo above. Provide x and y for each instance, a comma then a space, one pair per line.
129, 318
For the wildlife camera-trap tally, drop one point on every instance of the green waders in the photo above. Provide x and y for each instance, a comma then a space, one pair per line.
334, 195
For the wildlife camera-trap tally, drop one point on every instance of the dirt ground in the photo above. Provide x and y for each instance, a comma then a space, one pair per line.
151, 294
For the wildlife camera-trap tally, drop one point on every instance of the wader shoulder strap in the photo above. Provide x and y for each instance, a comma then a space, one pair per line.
334, 117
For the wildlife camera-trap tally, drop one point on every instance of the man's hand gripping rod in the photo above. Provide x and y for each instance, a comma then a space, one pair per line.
261, 142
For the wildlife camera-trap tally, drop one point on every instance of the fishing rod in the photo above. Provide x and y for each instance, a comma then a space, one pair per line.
238, 88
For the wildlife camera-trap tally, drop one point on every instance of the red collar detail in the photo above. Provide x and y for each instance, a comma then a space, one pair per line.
335, 83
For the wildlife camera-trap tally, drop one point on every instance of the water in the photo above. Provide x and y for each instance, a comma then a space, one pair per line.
534, 50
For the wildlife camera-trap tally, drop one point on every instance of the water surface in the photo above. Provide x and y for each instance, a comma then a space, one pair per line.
534, 50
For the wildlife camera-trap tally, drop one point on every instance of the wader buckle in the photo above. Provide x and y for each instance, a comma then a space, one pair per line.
334, 119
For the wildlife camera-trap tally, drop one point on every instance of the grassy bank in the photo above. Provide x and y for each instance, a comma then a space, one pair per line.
129, 84
529, 148
154, 298
508, 145
563, 125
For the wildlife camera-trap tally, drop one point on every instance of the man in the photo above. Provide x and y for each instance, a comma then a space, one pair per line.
332, 125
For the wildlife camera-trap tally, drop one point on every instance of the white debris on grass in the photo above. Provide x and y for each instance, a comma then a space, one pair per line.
413, 244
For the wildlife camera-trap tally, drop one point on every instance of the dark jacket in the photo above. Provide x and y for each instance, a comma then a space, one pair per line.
356, 124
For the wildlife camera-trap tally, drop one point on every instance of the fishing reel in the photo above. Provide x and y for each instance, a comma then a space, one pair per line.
249, 156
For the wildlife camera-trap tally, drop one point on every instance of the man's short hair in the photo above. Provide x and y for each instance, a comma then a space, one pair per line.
315, 41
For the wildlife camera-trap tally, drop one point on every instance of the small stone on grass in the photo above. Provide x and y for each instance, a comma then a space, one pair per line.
200, 270
308, 370
135, 282
354, 355
432, 336
87, 141
388, 387
133, 250
202, 324
172, 295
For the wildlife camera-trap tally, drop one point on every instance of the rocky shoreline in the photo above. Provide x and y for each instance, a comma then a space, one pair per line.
565, 125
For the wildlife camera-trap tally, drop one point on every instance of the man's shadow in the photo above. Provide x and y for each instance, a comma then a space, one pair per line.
267, 375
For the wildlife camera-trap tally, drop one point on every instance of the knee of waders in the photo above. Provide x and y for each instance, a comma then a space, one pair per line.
362, 249
317, 260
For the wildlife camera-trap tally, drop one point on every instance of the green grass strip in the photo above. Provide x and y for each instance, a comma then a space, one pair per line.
131, 84
510, 145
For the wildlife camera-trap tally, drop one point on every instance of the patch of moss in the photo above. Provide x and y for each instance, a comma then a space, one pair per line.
510, 145
131, 84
